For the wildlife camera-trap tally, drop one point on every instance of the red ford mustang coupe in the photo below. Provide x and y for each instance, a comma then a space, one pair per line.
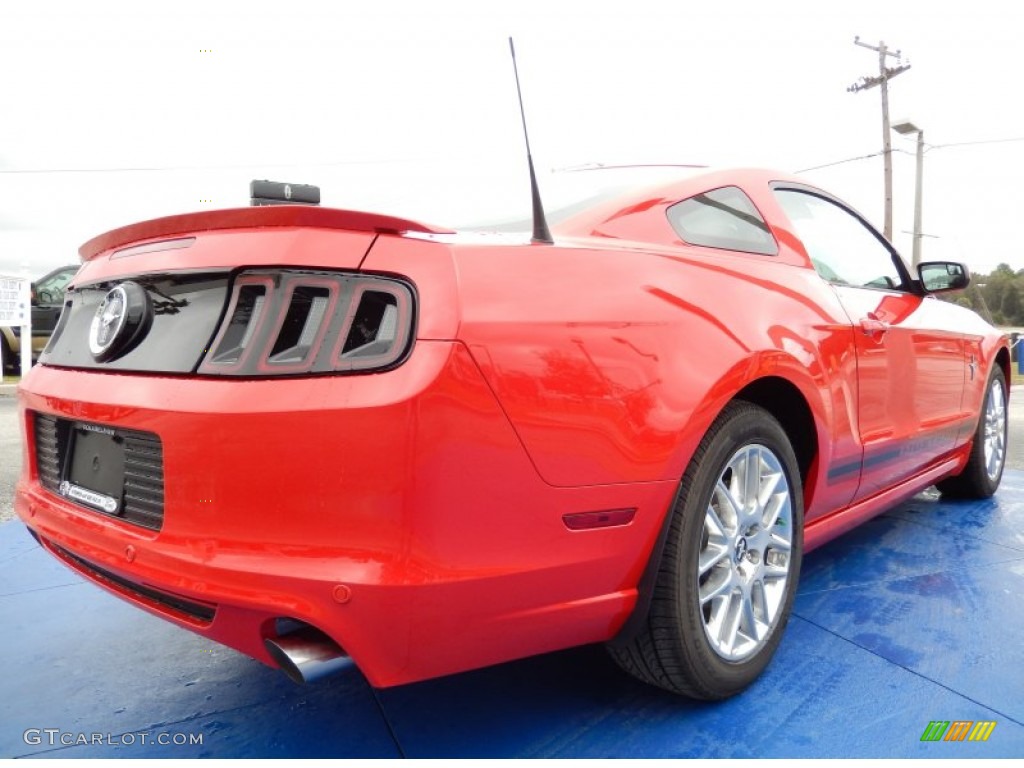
326, 437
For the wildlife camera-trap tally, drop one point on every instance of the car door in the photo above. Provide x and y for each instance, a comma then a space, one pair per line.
910, 370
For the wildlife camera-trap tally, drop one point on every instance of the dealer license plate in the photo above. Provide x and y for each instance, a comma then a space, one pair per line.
95, 476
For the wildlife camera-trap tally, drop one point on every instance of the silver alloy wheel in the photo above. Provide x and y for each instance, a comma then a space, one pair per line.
995, 429
743, 568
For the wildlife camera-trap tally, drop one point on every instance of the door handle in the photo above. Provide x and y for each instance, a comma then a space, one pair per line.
873, 326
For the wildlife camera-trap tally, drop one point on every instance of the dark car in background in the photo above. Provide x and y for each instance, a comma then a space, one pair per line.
47, 302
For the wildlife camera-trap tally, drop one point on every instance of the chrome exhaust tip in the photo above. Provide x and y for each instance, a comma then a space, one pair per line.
307, 654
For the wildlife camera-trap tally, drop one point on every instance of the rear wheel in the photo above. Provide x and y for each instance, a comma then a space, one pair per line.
980, 478
729, 571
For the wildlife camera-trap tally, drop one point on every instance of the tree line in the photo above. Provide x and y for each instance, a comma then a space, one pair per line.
996, 296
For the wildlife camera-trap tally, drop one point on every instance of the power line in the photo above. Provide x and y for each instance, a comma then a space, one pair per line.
838, 162
929, 148
171, 168
151, 169
973, 143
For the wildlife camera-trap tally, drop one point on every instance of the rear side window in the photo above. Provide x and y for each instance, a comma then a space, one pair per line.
722, 218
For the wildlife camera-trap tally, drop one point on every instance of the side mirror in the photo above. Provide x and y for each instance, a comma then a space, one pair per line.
941, 276
34, 294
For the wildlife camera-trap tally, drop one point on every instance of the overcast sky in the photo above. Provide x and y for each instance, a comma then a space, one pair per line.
111, 112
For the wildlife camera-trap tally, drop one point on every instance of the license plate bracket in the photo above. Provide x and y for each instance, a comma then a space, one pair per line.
95, 474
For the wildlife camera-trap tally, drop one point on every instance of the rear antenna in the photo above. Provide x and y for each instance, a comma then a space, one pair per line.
541, 233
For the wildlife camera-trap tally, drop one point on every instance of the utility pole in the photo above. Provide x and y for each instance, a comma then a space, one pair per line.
884, 75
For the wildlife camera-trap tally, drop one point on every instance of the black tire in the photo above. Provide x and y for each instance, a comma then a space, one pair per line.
980, 478
12, 362
674, 648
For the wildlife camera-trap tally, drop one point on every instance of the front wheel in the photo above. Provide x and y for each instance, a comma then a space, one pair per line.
732, 558
980, 477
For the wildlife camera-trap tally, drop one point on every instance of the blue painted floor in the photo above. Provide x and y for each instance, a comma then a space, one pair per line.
916, 616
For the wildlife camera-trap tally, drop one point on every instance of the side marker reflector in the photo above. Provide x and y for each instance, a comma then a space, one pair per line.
605, 518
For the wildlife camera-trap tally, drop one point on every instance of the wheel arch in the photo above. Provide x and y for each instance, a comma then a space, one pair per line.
786, 402
1004, 362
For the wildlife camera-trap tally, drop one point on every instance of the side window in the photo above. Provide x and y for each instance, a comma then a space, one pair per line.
842, 248
722, 218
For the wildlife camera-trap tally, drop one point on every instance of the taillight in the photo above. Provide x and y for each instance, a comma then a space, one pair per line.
296, 322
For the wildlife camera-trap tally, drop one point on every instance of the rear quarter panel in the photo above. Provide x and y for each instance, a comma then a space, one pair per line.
612, 362
982, 346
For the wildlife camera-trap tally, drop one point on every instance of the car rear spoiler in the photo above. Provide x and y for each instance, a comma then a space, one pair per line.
250, 218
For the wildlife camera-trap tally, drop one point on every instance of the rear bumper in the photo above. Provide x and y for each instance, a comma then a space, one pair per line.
396, 512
